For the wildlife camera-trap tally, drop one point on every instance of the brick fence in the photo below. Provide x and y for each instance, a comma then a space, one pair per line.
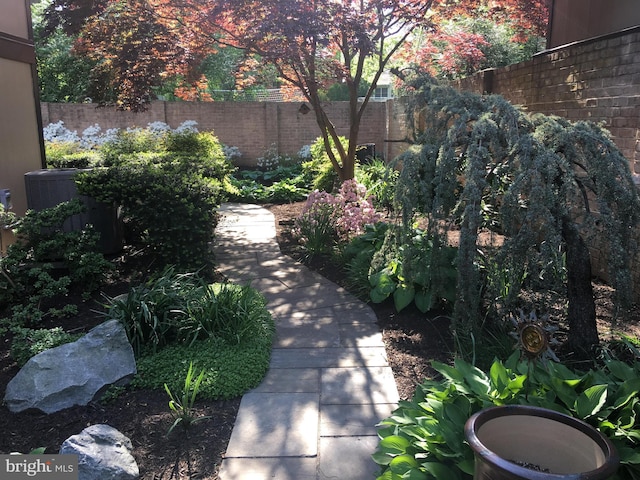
597, 80
253, 127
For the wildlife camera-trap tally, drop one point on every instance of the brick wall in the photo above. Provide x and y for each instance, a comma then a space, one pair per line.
251, 126
597, 80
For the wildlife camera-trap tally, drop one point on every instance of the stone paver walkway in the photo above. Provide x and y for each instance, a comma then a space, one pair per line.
314, 415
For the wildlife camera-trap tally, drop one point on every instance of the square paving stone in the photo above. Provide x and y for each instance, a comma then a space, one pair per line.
268, 469
300, 330
358, 385
290, 380
328, 357
353, 420
348, 458
309, 298
276, 425
355, 312
360, 335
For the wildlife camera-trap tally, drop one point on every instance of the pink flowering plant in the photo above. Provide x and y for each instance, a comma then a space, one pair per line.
330, 220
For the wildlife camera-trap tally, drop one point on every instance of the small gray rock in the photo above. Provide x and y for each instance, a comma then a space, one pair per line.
103, 454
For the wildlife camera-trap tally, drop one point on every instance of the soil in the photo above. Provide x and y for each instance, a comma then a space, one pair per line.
412, 340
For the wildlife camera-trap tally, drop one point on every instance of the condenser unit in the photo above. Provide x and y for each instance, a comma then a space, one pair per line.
50, 187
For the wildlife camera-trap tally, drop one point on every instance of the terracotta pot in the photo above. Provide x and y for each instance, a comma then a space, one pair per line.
522, 442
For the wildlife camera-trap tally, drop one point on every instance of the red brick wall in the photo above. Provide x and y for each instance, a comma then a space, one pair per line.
251, 126
596, 80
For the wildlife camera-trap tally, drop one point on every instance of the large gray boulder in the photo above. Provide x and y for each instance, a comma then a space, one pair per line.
72, 374
103, 454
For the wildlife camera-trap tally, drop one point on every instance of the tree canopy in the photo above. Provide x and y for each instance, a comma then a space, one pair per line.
136, 44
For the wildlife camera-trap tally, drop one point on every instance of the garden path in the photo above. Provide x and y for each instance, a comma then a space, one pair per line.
313, 417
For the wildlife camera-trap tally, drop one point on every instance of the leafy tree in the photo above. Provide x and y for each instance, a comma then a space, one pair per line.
311, 44
463, 46
62, 76
551, 187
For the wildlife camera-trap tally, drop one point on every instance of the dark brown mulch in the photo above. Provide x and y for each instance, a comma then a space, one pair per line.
412, 339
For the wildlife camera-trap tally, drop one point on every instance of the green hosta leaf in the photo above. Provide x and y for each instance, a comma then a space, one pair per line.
440, 471
424, 300
559, 372
498, 375
591, 401
621, 370
517, 384
403, 464
474, 377
395, 445
565, 393
382, 458
403, 296
384, 285
467, 466
628, 456
454, 376
627, 391
453, 412
387, 475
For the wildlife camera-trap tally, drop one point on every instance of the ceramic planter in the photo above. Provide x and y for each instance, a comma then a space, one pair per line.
522, 442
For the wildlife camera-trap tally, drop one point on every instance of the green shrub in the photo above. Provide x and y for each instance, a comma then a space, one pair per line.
152, 313
380, 180
75, 160
179, 308
234, 313
358, 254
169, 198
27, 342
56, 151
328, 222
127, 143
319, 170
420, 271
424, 437
47, 262
250, 190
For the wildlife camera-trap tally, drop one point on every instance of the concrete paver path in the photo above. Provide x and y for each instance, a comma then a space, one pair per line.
314, 415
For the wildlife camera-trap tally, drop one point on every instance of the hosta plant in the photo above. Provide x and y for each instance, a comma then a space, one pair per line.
421, 271
424, 437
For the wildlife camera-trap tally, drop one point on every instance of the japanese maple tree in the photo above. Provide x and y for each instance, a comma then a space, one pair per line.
311, 43
315, 43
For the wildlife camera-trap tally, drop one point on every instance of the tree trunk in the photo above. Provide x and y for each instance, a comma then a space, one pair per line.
583, 331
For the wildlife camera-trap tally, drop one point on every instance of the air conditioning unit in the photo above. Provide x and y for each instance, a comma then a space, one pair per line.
50, 187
